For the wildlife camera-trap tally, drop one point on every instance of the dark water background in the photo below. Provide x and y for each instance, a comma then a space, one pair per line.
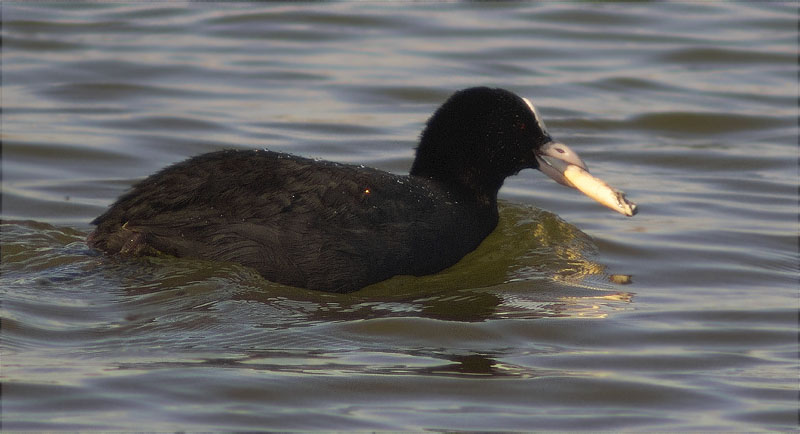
691, 108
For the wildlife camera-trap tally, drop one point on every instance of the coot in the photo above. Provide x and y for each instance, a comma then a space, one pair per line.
336, 227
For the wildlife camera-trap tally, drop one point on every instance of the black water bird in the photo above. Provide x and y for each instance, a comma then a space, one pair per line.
337, 227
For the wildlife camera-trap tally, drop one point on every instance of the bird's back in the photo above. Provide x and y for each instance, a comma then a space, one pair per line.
301, 222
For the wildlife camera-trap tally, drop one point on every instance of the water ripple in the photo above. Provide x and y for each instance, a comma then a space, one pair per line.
681, 319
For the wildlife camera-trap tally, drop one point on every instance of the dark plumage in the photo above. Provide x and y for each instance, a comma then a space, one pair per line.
329, 226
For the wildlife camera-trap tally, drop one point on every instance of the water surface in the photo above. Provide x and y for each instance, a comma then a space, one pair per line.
567, 317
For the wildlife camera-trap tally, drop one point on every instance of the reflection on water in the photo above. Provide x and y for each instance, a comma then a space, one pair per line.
160, 294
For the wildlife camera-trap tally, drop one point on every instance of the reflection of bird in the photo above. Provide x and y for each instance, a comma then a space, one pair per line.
335, 227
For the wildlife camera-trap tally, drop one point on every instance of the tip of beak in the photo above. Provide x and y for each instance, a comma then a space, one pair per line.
600, 191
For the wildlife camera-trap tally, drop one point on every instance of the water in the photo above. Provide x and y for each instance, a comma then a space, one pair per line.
569, 316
